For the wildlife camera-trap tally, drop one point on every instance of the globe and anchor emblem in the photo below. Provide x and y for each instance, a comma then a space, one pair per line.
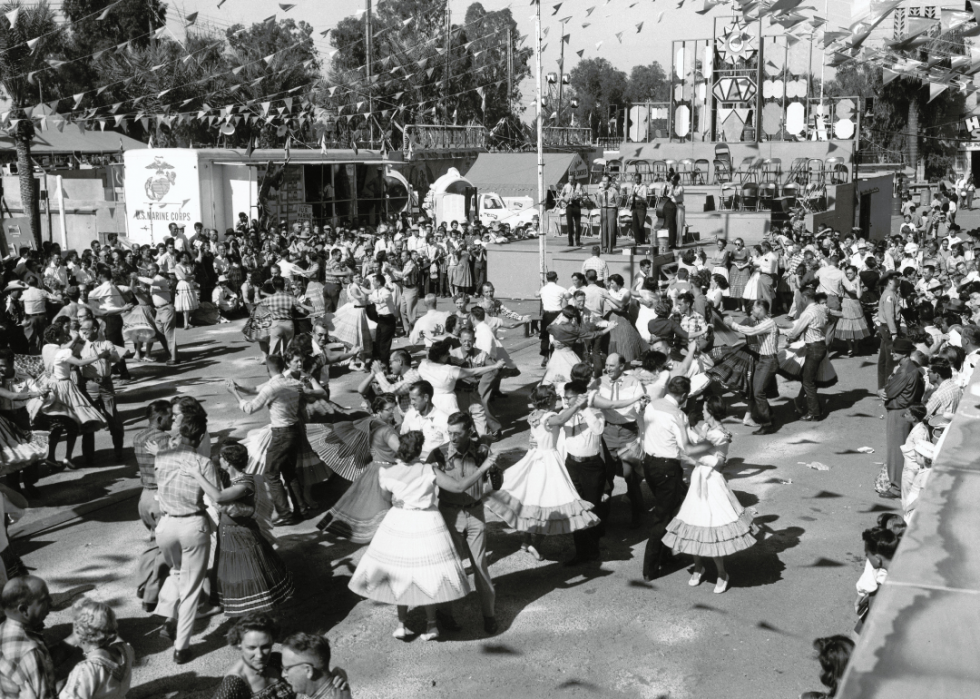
159, 183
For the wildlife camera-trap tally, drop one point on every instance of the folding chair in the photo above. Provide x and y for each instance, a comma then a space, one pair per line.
659, 171
685, 168
727, 198
837, 170
798, 172
748, 170
723, 171
767, 194
701, 171
815, 169
750, 196
772, 170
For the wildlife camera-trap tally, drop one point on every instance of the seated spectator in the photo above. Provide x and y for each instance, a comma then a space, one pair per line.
107, 670
834, 652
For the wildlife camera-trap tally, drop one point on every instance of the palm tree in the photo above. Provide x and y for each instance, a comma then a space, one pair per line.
17, 61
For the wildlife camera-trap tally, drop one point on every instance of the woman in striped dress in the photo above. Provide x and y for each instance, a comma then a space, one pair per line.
741, 270
251, 576
358, 513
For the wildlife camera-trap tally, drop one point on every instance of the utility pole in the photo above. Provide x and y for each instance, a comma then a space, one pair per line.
543, 230
369, 53
510, 65
561, 76
449, 53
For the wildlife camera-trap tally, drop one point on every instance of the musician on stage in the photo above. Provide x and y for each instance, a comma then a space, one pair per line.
571, 199
608, 202
636, 202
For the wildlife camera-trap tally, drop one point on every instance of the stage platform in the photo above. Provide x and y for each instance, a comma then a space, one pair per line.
515, 271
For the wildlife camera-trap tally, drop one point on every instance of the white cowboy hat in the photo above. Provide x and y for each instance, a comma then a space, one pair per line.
16, 285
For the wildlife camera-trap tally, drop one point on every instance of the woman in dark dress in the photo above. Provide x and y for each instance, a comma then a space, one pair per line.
251, 576
257, 674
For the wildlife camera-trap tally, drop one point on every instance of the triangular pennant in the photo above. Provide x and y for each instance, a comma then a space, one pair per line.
286, 8
639, 27
556, 8
888, 75
32, 43
12, 17
580, 53
936, 89
190, 19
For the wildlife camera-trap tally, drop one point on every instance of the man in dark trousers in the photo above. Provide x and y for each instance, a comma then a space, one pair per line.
903, 388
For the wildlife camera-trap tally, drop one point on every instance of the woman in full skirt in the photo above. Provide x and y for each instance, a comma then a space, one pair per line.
186, 300
139, 324
624, 340
567, 332
537, 496
359, 511
852, 327
350, 323
17, 448
711, 522
412, 561
251, 575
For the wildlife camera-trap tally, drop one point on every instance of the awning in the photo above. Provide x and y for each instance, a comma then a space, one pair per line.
73, 140
516, 174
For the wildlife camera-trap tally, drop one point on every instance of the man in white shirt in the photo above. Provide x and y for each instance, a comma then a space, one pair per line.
486, 338
384, 305
586, 468
108, 304
621, 428
431, 326
553, 299
288, 269
665, 442
596, 264
164, 315
180, 239
425, 418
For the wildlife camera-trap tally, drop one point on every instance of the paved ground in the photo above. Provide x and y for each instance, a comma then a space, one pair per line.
592, 633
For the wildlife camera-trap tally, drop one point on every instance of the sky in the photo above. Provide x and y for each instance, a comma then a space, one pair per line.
662, 21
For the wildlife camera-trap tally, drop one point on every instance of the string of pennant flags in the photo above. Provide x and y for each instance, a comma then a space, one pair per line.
944, 69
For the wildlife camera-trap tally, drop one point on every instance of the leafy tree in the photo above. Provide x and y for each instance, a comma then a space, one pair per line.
648, 84
17, 62
411, 65
158, 77
296, 65
598, 86
131, 20
902, 111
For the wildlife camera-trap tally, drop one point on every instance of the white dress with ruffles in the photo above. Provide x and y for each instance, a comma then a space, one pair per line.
538, 496
711, 521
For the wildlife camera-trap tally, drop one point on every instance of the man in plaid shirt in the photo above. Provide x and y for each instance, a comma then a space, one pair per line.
691, 321
26, 667
281, 306
184, 532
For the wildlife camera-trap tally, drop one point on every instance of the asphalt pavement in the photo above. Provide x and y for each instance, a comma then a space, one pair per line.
581, 632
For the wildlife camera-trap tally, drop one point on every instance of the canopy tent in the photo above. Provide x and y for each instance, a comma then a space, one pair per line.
516, 174
74, 140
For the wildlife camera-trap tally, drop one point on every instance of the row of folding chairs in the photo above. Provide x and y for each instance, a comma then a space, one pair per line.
752, 196
721, 170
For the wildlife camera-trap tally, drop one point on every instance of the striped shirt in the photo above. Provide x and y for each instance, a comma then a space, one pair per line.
178, 492
766, 332
811, 323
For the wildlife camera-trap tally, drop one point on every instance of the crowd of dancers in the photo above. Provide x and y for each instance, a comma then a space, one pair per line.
637, 381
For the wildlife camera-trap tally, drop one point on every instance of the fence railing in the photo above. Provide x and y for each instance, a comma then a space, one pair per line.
438, 137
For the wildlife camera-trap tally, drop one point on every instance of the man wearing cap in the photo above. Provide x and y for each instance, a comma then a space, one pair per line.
15, 314
903, 388
35, 302
860, 255
226, 300
889, 323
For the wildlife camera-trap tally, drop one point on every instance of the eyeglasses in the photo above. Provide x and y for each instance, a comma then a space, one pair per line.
290, 667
